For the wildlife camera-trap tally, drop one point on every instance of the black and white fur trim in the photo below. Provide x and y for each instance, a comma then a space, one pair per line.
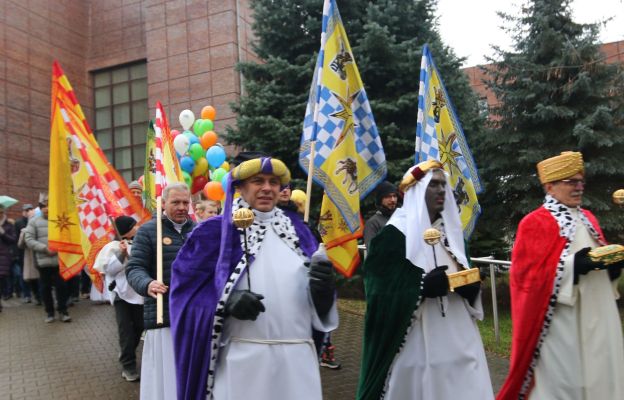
283, 227
567, 229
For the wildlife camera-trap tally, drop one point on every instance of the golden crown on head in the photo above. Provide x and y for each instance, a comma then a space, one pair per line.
416, 174
565, 165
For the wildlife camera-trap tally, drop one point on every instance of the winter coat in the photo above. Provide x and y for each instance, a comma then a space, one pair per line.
141, 269
7, 242
29, 263
36, 237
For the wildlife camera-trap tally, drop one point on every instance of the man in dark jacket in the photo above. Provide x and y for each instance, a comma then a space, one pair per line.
157, 366
7, 240
386, 200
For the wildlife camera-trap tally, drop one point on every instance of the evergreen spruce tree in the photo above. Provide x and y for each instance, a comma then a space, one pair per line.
555, 93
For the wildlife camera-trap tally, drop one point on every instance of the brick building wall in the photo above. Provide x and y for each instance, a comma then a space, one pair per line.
190, 48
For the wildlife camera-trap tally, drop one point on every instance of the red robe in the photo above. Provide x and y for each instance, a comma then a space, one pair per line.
534, 259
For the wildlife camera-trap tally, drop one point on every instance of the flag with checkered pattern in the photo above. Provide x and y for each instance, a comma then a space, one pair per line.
439, 136
348, 160
85, 191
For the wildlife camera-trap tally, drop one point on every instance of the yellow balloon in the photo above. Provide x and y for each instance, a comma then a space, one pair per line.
225, 165
201, 166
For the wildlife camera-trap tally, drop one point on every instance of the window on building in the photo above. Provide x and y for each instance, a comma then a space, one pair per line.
484, 107
122, 117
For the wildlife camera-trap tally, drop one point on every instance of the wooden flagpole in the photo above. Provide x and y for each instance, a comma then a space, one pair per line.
306, 215
159, 261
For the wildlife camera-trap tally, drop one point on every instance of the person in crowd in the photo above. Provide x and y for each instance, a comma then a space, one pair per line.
157, 365
136, 189
112, 261
386, 201
567, 334
36, 237
7, 242
299, 197
206, 209
247, 311
26, 258
421, 341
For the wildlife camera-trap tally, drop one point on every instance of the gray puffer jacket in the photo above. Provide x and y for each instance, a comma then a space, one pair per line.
141, 269
36, 236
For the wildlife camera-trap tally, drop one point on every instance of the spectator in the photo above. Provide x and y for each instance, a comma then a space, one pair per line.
36, 237
386, 201
136, 189
157, 366
29, 276
7, 241
206, 209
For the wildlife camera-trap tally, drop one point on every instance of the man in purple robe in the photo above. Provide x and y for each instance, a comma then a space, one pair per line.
244, 301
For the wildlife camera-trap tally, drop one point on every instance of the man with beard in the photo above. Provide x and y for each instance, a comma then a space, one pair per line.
567, 335
386, 201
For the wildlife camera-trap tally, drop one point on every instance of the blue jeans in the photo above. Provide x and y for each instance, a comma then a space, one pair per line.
19, 286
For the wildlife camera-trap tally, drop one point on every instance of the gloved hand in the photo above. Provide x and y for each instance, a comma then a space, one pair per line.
583, 264
435, 283
322, 284
244, 305
469, 292
615, 270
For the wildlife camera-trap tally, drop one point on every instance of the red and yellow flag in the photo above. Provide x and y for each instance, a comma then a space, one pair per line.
85, 191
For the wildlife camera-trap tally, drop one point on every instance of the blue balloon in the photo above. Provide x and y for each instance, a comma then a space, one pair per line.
215, 156
225, 181
187, 164
191, 137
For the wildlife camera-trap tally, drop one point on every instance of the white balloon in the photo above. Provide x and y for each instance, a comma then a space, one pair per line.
181, 144
186, 119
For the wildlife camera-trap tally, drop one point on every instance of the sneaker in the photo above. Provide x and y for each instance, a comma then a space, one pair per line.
65, 317
26, 300
327, 358
130, 375
49, 319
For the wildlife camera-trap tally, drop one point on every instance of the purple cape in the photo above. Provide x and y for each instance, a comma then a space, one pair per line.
198, 276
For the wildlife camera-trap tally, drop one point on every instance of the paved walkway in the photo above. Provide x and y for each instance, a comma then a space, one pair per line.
78, 360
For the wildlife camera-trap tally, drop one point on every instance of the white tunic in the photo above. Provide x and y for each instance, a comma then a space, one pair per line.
158, 378
443, 357
586, 319
273, 357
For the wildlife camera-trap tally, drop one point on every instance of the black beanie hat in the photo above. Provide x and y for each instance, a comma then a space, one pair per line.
124, 224
383, 189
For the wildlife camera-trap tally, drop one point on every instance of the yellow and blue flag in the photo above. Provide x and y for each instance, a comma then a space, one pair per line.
439, 136
349, 160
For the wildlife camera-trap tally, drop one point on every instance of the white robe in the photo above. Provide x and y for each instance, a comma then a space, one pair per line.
247, 367
586, 319
158, 378
443, 357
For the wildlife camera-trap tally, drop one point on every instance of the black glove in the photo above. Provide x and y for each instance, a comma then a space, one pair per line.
469, 292
435, 283
322, 285
615, 270
583, 264
244, 304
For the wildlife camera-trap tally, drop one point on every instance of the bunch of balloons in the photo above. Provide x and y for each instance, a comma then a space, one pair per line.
202, 159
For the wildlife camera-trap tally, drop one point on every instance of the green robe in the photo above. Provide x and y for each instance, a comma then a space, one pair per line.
393, 291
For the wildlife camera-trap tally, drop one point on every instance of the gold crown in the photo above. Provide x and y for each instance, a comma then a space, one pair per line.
256, 166
416, 174
565, 165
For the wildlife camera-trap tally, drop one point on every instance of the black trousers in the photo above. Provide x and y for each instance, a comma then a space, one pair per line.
48, 277
130, 326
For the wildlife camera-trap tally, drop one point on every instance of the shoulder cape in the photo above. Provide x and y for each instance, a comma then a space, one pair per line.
534, 259
196, 286
392, 286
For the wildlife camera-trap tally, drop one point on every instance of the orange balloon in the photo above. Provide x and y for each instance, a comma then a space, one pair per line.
208, 112
208, 140
214, 190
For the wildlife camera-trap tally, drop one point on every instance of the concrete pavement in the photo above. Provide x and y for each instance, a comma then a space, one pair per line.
78, 360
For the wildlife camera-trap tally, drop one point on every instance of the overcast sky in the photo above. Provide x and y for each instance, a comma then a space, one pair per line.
470, 26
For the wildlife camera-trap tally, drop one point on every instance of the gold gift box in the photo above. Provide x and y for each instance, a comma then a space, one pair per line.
608, 254
462, 278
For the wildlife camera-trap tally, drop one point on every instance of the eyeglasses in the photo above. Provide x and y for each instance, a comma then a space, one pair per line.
573, 182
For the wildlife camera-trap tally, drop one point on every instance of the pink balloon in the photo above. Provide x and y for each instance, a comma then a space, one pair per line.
174, 133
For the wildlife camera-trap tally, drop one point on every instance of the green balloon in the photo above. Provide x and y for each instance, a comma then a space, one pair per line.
197, 127
187, 178
196, 151
218, 174
207, 125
